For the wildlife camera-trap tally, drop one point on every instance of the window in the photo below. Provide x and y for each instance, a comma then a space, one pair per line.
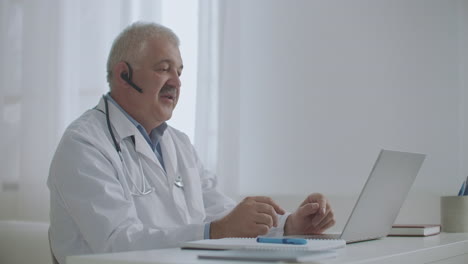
54, 69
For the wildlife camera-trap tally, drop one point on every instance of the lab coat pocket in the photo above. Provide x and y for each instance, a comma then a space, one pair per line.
147, 208
142, 196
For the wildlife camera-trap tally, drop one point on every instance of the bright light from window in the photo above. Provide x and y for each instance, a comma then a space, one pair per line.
182, 17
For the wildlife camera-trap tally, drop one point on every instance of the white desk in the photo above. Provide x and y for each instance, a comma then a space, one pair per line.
441, 249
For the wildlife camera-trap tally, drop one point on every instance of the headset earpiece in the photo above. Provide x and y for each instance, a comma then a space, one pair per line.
124, 76
127, 77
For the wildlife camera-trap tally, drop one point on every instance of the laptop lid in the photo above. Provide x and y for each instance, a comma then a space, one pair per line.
383, 195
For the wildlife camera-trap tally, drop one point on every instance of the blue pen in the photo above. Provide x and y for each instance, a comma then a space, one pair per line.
281, 240
462, 189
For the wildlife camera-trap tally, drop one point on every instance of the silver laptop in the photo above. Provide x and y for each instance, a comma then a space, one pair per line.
381, 198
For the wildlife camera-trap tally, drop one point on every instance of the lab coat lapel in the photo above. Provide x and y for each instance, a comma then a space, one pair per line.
169, 156
189, 200
122, 126
125, 128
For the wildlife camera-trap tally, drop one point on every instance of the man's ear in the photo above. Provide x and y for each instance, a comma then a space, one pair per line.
121, 73
124, 71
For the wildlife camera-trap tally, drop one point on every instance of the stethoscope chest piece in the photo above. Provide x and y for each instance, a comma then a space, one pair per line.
178, 182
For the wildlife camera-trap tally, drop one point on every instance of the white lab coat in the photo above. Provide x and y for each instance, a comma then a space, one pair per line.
92, 206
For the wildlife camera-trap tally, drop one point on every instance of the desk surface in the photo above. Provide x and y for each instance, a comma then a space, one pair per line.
443, 248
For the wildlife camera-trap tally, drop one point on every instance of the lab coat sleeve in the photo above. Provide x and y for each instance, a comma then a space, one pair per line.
279, 230
217, 204
86, 182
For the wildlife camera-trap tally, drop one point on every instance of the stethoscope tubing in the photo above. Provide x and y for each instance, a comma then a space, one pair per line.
139, 191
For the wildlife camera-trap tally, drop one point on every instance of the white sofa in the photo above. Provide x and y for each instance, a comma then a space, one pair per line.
24, 243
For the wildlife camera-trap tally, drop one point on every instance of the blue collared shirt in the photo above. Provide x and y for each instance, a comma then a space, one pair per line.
153, 140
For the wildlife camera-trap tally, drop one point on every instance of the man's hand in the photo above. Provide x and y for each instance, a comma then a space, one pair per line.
313, 216
252, 217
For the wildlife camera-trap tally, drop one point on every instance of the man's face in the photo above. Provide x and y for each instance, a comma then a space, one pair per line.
157, 73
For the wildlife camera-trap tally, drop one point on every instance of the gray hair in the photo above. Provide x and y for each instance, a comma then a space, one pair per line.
131, 41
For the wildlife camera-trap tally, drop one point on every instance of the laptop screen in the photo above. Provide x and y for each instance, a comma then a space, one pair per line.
383, 195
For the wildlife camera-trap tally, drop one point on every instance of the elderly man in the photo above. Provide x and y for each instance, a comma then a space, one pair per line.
122, 179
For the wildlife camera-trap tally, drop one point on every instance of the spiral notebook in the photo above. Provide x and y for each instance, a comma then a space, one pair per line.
262, 255
251, 243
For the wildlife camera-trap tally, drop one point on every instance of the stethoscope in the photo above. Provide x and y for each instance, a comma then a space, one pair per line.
146, 188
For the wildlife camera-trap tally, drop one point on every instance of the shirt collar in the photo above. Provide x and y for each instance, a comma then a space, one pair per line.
155, 134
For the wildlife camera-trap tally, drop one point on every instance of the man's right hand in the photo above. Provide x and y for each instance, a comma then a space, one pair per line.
252, 217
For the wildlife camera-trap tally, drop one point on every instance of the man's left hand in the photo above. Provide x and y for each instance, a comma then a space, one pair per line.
313, 216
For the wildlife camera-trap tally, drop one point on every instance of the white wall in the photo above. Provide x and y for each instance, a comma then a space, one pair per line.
463, 79
323, 85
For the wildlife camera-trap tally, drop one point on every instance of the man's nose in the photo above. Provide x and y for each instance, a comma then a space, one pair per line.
175, 80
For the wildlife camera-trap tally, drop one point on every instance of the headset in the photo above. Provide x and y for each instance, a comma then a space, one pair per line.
127, 77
